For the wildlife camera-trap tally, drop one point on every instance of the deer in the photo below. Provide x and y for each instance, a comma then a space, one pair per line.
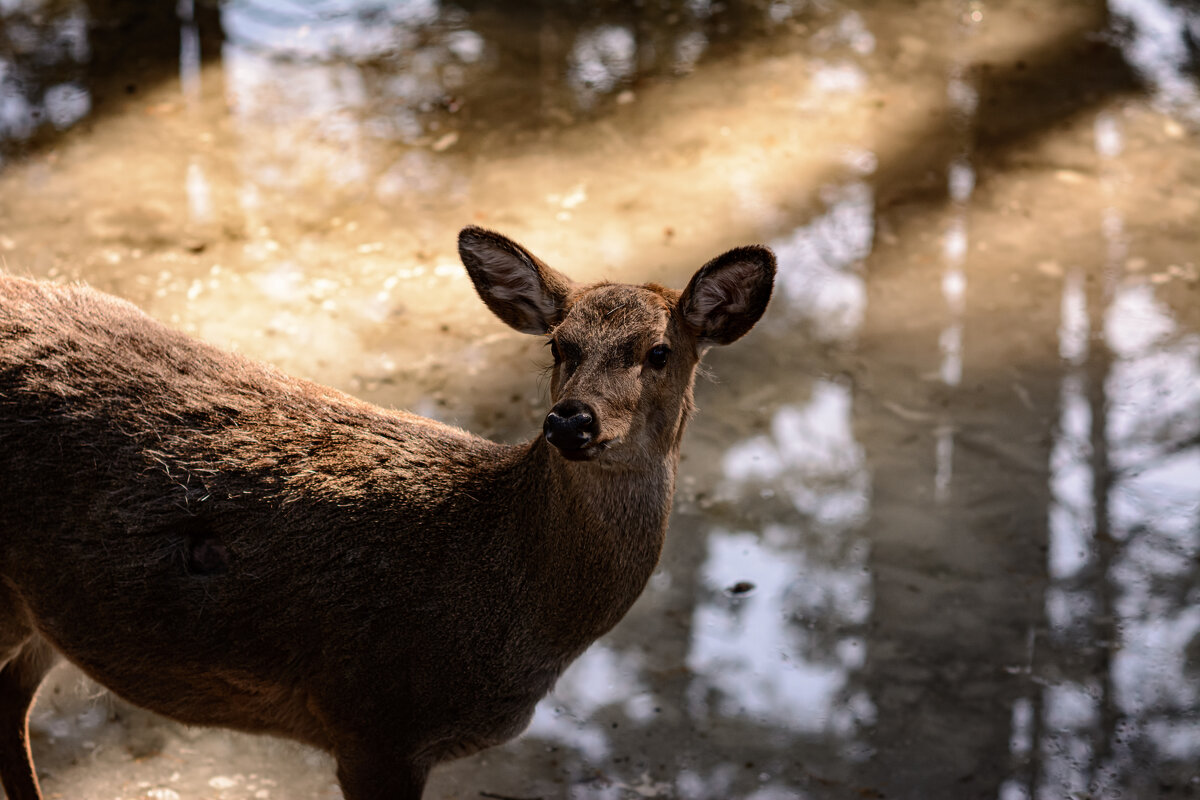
226, 545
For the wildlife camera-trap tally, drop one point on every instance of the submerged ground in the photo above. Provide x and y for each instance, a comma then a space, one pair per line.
938, 527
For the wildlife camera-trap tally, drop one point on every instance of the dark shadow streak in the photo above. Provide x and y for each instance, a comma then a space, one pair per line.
1016, 101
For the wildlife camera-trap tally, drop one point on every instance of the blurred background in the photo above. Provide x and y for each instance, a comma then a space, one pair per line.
937, 532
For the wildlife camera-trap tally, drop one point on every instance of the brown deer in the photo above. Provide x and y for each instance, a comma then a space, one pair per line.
226, 545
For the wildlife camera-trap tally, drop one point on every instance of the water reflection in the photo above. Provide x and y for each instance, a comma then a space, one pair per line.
326, 80
600, 679
772, 657
396, 71
789, 653
1124, 526
1160, 40
42, 58
963, 99
345, 30
600, 60
1071, 518
821, 263
1153, 392
810, 457
1095, 732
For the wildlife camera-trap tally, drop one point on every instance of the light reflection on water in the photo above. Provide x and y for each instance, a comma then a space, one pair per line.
1153, 404
600, 60
1152, 509
57, 46
810, 457
601, 677
760, 656
820, 273
963, 99
1129, 481
354, 31
1161, 45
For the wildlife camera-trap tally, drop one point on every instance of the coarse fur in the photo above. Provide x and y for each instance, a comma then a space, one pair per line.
226, 545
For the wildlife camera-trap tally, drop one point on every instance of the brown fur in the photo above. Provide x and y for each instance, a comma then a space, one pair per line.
226, 545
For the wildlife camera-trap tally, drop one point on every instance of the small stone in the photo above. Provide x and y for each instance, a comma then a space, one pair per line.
222, 782
445, 142
1186, 272
1173, 129
1051, 269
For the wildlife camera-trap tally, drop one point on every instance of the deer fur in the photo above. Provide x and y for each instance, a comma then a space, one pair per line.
226, 545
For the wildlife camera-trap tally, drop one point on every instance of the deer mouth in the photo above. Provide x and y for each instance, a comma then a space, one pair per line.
588, 452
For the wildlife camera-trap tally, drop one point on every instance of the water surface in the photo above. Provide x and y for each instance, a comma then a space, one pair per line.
938, 526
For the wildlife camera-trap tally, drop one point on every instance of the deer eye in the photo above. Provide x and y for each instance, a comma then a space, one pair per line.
657, 357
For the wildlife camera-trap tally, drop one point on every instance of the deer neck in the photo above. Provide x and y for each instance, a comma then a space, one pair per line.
603, 532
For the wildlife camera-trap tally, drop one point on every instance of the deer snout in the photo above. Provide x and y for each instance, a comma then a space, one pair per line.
571, 426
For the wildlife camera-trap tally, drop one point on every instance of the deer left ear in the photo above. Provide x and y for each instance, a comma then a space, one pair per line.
729, 294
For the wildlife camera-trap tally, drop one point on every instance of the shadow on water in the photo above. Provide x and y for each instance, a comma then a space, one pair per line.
937, 527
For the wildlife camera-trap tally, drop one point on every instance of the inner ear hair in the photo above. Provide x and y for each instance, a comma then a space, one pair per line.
518, 288
726, 290
728, 295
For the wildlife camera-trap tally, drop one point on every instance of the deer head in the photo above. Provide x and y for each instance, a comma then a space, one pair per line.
624, 356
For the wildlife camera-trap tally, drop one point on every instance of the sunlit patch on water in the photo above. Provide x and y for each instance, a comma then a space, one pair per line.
821, 263
760, 657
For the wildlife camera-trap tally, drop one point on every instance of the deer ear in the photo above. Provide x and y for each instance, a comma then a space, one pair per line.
728, 294
515, 284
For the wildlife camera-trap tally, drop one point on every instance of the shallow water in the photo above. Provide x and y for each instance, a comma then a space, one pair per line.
938, 526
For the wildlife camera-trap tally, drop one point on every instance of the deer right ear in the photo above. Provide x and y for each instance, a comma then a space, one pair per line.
518, 288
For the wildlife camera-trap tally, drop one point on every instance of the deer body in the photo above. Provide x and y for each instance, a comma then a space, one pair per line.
226, 545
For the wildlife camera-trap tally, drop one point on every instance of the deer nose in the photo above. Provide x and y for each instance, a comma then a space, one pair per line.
571, 426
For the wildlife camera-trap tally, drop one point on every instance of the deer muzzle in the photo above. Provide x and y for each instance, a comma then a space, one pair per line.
571, 426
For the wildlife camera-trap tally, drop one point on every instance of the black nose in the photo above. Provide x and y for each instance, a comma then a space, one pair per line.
571, 426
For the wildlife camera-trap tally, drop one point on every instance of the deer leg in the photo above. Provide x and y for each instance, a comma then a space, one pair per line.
20, 678
382, 777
